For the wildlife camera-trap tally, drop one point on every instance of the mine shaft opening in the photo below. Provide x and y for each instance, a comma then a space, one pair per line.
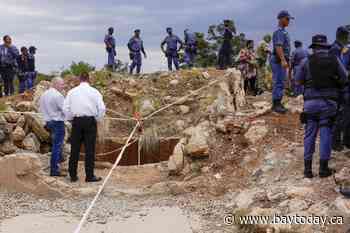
131, 157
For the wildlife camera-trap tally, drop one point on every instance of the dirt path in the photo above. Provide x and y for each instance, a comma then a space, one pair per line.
153, 220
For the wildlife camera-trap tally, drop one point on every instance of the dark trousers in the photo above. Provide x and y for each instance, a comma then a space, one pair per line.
338, 129
172, 57
250, 85
225, 59
84, 130
7, 75
57, 137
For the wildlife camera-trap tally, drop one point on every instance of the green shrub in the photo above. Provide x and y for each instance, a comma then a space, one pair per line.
78, 68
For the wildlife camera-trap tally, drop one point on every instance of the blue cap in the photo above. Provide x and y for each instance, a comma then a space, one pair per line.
283, 14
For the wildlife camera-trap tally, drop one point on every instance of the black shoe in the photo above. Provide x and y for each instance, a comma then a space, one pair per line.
325, 171
278, 107
259, 92
338, 148
93, 179
308, 169
74, 179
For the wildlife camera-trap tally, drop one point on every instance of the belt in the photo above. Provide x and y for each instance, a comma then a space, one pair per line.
84, 117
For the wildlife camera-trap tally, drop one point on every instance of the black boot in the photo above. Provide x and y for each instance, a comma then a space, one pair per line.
308, 169
277, 107
337, 147
325, 171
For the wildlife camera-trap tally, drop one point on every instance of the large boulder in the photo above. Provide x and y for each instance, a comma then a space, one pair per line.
222, 100
12, 117
31, 143
198, 137
22, 173
8, 147
36, 124
18, 134
177, 159
236, 81
25, 106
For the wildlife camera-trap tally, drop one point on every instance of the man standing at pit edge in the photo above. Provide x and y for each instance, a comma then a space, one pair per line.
51, 106
280, 60
84, 106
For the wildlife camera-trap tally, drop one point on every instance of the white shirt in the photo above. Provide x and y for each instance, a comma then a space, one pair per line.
51, 105
84, 100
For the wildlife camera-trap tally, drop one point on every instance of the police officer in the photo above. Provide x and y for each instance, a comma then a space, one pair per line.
225, 52
336, 50
280, 60
172, 49
23, 70
190, 47
135, 46
110, 48
346, 62
323, 77
8, 63
298, 55
32, 70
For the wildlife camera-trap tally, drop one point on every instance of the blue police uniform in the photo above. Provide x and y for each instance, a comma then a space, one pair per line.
190, 48
111, 51
280, 38
135, 46
172, 55
8, 64
23, 75
338, 130
226, 51
298, 55
32, 73
323, 77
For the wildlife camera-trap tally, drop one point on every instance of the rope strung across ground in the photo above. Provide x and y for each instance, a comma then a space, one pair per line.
180, 100
120, 156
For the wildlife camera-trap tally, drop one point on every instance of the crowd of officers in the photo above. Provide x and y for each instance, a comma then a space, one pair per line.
135, 45
14, 63
322, 77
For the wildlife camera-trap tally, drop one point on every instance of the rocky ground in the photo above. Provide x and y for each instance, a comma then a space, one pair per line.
232, 156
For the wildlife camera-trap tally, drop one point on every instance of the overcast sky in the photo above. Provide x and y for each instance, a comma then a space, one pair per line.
66, 31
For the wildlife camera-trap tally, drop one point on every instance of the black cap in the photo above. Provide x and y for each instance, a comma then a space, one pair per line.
298, 43
320, 41
137, 30
283, 14
342, 31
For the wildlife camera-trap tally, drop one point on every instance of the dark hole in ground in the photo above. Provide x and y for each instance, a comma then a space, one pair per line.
130, 156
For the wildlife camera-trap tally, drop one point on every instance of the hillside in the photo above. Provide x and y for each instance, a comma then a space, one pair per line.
214, 151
